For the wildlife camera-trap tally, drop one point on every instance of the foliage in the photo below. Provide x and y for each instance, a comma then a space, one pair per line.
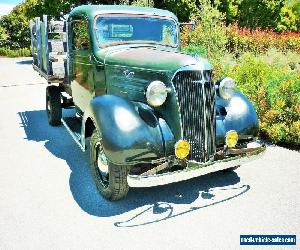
282, 60
229, 8
14, 53
259, 13
251, 74
287, 20
281, 121
280, 15
3, 36
209, 35
185, 10
274, 89
141, 3
3, 33
17, 32
240, 40
16, 24
195, 50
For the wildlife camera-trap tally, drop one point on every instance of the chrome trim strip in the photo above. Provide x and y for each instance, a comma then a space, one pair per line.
163, 159
200, 65
193, 170
197, 100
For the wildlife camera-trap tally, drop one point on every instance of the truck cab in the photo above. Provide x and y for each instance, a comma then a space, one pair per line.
152, 115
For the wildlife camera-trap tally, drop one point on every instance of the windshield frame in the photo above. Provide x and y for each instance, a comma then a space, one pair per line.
151, 43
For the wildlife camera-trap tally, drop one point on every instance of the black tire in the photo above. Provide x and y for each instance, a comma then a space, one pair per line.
53, 105
112, 183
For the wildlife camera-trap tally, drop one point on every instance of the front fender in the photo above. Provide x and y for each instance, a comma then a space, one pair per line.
131, 133
237, 114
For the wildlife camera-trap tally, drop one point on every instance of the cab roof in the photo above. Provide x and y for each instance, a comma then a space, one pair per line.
93, 10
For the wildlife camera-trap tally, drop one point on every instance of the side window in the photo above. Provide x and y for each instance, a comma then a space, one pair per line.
80, 30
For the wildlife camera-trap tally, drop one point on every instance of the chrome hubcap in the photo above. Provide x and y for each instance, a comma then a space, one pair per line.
102, 165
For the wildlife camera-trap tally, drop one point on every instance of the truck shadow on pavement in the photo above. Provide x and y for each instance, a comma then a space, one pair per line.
142, 205
25, 61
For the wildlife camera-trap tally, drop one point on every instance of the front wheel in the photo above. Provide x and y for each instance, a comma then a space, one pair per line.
110, 180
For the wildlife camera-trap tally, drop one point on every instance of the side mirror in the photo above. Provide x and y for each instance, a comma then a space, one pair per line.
191, 24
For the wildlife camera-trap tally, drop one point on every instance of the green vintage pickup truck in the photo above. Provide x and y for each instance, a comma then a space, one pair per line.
149, 114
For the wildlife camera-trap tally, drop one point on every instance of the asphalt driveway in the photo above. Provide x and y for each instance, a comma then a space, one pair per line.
49, 201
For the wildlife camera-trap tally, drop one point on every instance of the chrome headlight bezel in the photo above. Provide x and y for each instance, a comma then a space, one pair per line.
156, 93
226, 88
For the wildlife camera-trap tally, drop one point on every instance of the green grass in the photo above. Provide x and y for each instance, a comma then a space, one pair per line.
23, 52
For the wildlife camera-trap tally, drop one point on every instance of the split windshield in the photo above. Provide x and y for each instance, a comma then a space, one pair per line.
135, 29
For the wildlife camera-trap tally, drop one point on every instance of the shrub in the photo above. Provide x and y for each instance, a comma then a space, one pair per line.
294, 133
15, 53
240, 40
275, 93
209, 35
251, 75
225, 65
196, 50
288, 60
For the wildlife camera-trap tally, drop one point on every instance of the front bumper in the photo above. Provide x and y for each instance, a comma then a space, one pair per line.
195, 169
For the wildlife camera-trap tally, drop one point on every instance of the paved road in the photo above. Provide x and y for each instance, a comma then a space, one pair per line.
48, 199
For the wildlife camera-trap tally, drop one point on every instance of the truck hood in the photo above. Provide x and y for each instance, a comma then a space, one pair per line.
148, 58
129, 70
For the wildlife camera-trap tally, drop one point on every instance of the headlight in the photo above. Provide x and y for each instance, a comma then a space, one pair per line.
226, 88
156, 93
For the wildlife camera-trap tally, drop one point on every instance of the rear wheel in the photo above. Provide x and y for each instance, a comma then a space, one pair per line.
53, 105
110, 180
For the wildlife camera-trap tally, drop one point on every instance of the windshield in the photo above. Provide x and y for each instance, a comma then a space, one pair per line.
135, 29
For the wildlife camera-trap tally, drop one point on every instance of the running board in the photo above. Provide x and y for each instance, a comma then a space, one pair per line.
73, 126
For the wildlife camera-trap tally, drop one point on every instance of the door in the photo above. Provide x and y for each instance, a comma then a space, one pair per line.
81, 63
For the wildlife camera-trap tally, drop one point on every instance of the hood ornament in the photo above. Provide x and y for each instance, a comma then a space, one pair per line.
128, 74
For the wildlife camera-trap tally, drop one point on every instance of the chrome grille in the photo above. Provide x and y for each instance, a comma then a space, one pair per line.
196, 97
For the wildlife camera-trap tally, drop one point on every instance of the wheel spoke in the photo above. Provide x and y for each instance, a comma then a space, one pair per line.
102, 165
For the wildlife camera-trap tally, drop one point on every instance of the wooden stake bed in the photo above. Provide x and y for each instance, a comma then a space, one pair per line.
49, 48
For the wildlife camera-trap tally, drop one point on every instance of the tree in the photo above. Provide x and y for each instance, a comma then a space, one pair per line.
287, 20
183, 9
229, 8
260, 13
281, 15
3, 36
209, 34
17, 31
